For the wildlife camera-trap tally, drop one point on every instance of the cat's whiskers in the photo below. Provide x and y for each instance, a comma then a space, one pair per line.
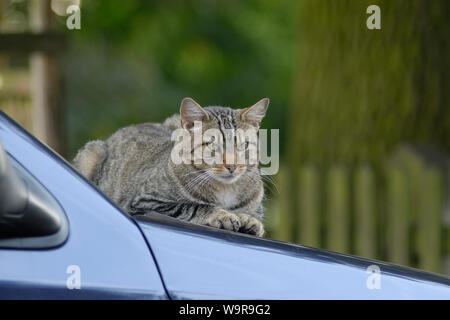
193, 172
267, 180
269, 183
195, 181
203, 181
192, 181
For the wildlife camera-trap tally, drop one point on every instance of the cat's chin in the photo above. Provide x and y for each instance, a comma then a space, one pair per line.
227, 179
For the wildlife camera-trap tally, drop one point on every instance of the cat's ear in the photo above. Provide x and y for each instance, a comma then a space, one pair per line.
256, 112
191, 111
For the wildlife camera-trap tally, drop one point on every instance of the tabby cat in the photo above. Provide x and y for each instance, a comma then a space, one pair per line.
135, 169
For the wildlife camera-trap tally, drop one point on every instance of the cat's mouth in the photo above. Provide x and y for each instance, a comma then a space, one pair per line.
227, 178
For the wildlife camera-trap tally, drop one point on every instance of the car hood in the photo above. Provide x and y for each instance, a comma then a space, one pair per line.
198, 262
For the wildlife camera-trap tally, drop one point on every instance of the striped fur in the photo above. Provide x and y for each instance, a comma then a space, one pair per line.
133, 167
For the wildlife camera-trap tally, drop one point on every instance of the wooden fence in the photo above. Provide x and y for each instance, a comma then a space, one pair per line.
15, 98
396, 213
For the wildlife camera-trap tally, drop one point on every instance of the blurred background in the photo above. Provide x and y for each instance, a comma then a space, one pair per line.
364, 115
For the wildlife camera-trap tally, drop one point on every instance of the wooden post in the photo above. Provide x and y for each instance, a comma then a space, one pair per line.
398, 215
365, 211
429, 220
45, 83
338, 210
284, 229
308, 230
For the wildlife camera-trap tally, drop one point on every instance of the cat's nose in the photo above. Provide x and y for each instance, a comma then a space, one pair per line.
231, 168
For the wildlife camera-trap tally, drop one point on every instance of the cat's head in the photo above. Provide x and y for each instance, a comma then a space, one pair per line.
229, 139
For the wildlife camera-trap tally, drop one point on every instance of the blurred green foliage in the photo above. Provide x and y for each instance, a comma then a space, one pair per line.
133, 61
350, 94
360, 92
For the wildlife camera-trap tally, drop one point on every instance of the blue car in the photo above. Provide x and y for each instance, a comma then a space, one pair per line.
61, 238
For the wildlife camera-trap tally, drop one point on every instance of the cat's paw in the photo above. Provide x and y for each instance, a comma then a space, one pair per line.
223, 220
251, 225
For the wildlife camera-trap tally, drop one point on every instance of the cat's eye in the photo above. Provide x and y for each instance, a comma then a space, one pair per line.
243, 146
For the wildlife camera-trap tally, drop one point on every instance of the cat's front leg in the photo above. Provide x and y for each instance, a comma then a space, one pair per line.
222, 219
204, 214
250, 225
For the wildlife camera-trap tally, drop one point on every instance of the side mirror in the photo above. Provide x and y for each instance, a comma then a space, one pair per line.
29, 215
